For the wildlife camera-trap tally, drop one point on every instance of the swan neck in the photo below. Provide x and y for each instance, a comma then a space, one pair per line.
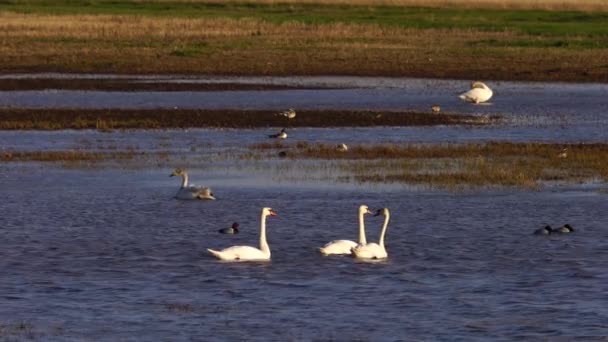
184, 180
384, 228
362, 239
263, 243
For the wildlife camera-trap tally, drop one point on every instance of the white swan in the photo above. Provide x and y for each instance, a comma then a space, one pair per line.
479, 93
246, 253
345, 246
187, 192
374, 250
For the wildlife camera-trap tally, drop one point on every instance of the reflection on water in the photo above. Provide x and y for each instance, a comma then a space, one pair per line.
110, 255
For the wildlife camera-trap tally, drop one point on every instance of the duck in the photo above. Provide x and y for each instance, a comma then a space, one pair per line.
290, 113
190, 192
234, 229
281, 135
342, 147
248, 253
565, 229
478, 93
546, 230
344, 247
374, 250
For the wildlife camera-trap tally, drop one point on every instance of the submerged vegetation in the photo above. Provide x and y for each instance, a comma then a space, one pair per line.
54, 119
485, 39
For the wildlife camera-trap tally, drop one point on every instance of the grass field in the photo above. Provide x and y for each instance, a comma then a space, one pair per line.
399, 38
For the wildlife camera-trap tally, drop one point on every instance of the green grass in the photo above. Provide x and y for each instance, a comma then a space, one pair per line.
534, 22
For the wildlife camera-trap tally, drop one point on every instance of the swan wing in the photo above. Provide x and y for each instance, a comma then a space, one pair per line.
193, 192
338, 247
240, 253
476, 95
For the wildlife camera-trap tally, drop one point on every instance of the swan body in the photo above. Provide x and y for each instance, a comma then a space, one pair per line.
344, 247
247, 253
234, 229
189, 192
281, 135
479, 93
374, 250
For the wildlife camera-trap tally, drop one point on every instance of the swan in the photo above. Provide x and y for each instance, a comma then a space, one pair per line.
374, 250
342, 147
565, 229
546, 230
246, 253
234, 229
479, 93
435, 109
281, 135
345, 246
186, 192
290, 113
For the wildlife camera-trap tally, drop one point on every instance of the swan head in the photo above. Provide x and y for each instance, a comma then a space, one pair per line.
382, 211
178, 172
268, 212
364, 210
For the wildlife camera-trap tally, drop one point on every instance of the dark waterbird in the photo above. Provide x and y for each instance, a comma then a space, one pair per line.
234, 229
565, 229
546, 230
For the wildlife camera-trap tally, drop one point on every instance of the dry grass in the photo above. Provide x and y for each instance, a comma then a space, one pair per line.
549, 5
139, 44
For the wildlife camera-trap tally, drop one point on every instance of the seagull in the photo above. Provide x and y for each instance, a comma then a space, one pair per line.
342, 147
290, 113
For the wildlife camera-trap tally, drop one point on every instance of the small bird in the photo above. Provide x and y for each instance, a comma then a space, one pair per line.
546, 230
565, 229
290, 113
342, 147
281, 135
234, 229
436, 109
563, 154
478, 93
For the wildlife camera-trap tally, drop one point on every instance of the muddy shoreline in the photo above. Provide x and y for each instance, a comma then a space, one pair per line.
55, 119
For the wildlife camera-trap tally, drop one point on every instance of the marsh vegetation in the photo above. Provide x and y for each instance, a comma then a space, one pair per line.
489, 40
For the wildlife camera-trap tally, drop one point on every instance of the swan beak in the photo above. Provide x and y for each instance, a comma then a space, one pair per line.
273, 213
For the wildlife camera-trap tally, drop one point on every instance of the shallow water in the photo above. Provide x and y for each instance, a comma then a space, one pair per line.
108, 255
531, 111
